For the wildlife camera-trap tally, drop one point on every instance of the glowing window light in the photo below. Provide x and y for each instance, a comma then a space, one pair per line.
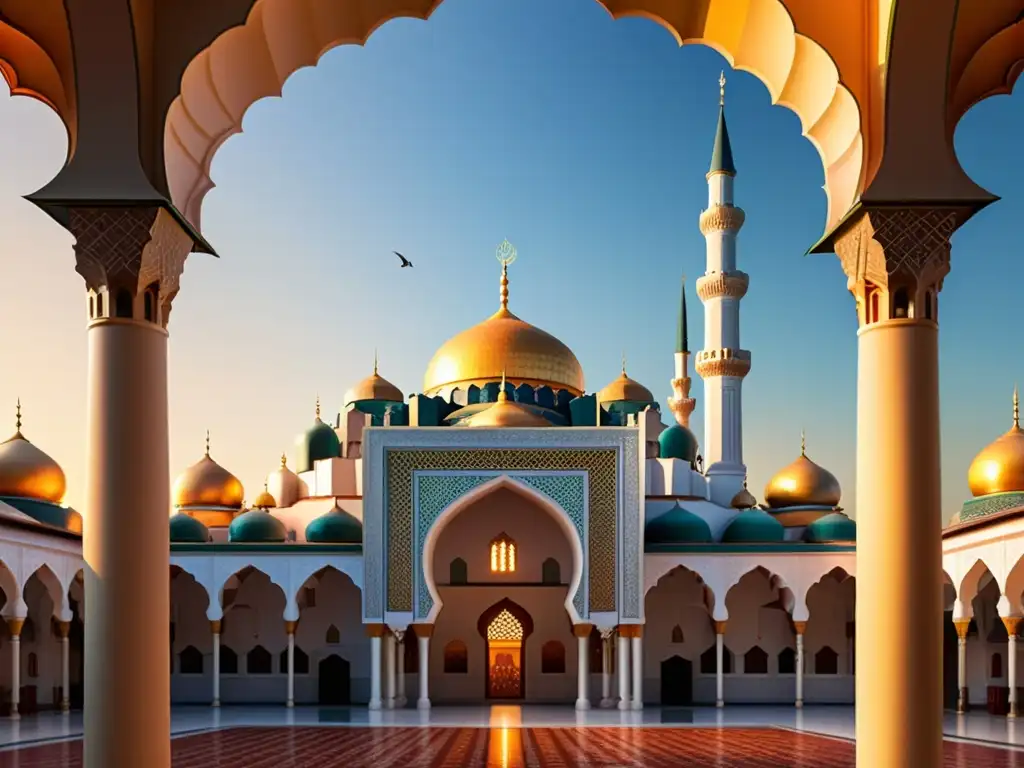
504, 558
503, 555
494, 558
511, 557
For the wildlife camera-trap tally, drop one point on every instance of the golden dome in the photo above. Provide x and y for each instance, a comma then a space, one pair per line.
1000, 465
207, 484
506, 413
625, 388
265, 500
374, 387
802, 483
503, 342
27, 472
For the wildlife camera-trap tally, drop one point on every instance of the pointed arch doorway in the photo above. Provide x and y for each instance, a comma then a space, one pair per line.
505, 627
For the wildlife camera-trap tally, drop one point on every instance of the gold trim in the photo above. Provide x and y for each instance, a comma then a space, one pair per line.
14, 626
631, 630
290, 627
422, 630
719, 627
215, 626
799, 627
721, 218
582, 630
732, 284
376, 630
962, 625
1012, 624
63, 629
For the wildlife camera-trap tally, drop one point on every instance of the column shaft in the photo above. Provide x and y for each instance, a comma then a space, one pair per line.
1011, 673
638, 669
15, 668
962, 695
400, 651
215, 626
720, 663
291, 670
623, 662
389, 670
582, 671
375, 653
64, 628
800, 627
606, 670
423, 659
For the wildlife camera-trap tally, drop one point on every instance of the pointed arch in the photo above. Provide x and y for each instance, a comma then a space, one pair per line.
54, 588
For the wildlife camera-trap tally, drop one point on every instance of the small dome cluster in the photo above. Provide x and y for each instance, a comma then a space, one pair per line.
335, 527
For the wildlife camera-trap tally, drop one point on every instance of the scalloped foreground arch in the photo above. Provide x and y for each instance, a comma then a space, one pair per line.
252, 61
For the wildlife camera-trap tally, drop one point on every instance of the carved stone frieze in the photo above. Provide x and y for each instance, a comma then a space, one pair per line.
721, 218
722, 362
681, 404
732, 284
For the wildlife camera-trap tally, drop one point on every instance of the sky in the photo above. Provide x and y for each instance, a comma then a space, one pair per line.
584, 141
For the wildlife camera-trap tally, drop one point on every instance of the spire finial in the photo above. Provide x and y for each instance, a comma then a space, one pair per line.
803, 443
623, 362
505, 254
502, 395
1016, 408
266, 485
318, 406
207, 442
721, 89
374, 361
17, 417
284, 460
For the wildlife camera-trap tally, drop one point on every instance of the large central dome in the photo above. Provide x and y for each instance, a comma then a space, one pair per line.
503, 343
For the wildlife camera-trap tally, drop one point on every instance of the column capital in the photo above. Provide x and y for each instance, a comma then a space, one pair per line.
720, 627
215, 626
15, 625
962, 625
582, 629
422, 630
895, 259
631, 630
290, 627
376, 630
135, 251
799, 627
1012, 624
63, 629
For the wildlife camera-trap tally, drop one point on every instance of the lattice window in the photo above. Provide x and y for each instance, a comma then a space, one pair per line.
503, 554
505, 627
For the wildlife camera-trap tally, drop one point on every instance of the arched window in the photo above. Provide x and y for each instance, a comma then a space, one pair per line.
997, 666
826, 662
929, 311
301, 662
259, 661
190, 661
551, 572
755, 661
458, 573
456, 658
901, 303
333, 635
228, 660
99, 305
677, 635
709, 661
92, 306
123, 303
787, 661
149, 305
503, 554
552, 658
33, 665
872, 303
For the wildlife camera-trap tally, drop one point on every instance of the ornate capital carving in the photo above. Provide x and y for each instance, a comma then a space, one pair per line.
799, 627
1012, 624
962, 625
682, 407
631, 630
290, 627
721, 218
215, 626
582, 630
720, 627
722, 362
423, 630
607, 633
63, 629
732, 284
130, 249
15, 625
376, 630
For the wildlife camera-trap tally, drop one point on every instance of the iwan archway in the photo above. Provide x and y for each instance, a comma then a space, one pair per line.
505, 628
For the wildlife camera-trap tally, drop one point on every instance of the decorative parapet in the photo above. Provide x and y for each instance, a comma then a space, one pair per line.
732, 284
722, 362
721, 218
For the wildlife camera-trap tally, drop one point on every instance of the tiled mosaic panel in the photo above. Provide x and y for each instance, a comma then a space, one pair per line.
329, 747
598, 463
437, 492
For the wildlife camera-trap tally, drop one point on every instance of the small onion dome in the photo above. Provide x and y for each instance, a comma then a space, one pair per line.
185, 529
625, 389
754, 526
74, 521
506, 413
335, 527
257, 526
283, 484
1000, 465
832, 527
744, 499
264, 500
678, 442
375, 388
207, 484
318, 442
802, 483
27, 472
677, 526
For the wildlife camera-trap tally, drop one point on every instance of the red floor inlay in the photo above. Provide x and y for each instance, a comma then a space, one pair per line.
318, 747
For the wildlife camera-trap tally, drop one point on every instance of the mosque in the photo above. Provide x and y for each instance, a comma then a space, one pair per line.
504, 535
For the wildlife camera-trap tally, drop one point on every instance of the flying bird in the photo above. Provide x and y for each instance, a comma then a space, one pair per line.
405, 261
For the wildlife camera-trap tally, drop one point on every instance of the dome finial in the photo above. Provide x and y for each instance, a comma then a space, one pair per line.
803, 443
284, 460
318, 407
207, 442
623, 362
17, 418
1016, 409
502, 395
374, 361
505, 254
721, 89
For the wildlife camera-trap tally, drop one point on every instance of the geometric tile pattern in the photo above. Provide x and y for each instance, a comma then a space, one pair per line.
990, 505
437, 492
598, 463
327, 747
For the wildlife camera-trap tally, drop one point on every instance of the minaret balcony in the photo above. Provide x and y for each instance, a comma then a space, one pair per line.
721, 218
715, 285
722, 362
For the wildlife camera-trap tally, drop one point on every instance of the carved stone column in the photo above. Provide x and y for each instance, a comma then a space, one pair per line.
799, 628
63, 630
1012, 624
131, 259
963, 697
895, 260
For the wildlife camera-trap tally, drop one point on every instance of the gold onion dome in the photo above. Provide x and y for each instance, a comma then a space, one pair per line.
625, 389
527, 354
374, 387
265, 500
802, 484
999, 467
207, 484
506, 413
27, 472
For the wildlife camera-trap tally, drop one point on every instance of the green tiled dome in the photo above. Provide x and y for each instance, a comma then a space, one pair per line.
318, 442
677, 442
677, 526
46, 512
832, 527
335, 527
256, 527
188, 530
754, 526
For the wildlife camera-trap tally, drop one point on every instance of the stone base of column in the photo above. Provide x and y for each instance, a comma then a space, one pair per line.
1013, 710
624, 704
389, 704
375, 705
962, 702
289, 703
65, 707
401, 701
719, 703
799, 704
423, 704
636, 706
15, 715
215, 703
582, 704
607, 703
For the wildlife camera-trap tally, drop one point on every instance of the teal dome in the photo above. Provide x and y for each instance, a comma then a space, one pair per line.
677, 526
187, 530
754, 526
832, 527
256, 527
335, 527
677, 442
318, 442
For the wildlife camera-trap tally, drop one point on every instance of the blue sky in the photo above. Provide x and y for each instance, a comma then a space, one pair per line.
581, 139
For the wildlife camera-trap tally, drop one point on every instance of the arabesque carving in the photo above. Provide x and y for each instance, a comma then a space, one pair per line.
721, 218
732, 284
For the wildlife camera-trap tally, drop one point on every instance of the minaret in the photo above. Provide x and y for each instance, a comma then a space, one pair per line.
722, 363
681, 404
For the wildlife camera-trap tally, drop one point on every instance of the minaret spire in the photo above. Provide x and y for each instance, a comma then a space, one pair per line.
721, 155
207, 442
17, 419
681, 404
1016, 410
374, 361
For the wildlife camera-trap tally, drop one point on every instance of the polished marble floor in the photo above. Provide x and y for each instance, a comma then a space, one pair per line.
509, 747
